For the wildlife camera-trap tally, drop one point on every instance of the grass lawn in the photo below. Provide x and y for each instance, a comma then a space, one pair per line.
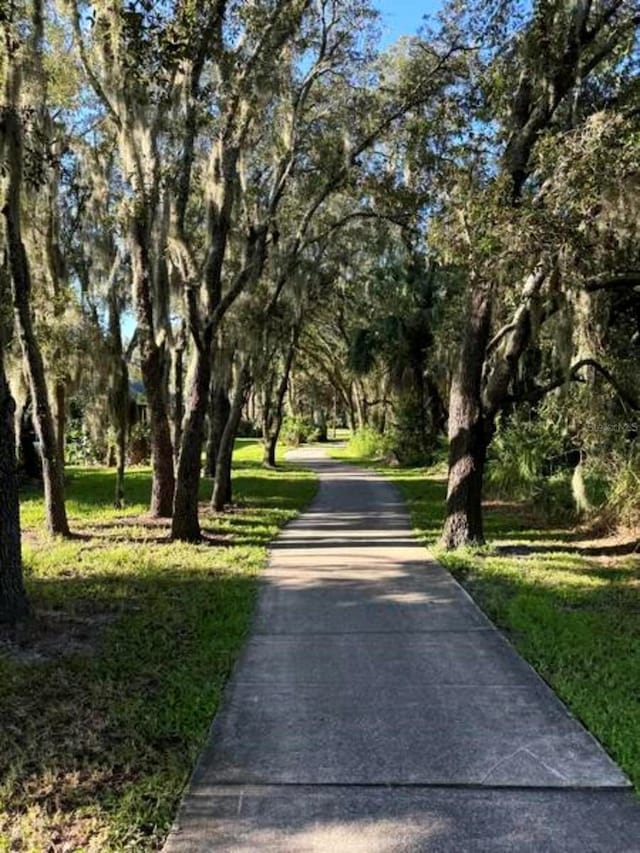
568, 602
107, 698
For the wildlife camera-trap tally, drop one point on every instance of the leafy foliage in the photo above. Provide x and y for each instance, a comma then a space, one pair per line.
368, 443
296, 430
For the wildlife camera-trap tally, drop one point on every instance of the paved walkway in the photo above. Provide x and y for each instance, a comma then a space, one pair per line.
376, 709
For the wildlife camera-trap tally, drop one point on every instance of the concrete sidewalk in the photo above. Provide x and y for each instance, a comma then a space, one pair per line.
375, 708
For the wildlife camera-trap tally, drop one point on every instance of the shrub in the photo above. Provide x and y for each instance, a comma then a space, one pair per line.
621, 505
368, 443
414, 441
80, 447
522, 455
248, 429
534, 460
296, 430
553, 496
139, 444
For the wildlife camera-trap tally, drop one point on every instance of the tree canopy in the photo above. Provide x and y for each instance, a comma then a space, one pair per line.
245, 216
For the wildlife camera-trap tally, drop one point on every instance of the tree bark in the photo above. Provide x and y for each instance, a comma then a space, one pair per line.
29, 456
270, 446
222, 492
474, 405
219, 409
14, 605
267, 421
152, 363
185, 525
21, 284
468, 430
437, 411
121, 461
273, 424
178, 391
163, 477
320, 422
61, 418
52, 470
351, 410
361, 414
58, 274
119, 395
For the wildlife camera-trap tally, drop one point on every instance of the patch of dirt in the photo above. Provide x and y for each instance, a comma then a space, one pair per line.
524, 512
51, 635
118, 529
605, 549
149, 522
598, 541
155, 531
32, 537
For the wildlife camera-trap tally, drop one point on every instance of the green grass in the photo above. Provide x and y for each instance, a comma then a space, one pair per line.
108, 702
574, 616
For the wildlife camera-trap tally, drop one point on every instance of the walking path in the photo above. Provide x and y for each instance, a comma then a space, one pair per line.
375, 709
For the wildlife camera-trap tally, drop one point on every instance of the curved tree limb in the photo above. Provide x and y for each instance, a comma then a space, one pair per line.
573, 376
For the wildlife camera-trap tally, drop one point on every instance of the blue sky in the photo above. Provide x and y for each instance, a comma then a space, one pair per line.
403, 17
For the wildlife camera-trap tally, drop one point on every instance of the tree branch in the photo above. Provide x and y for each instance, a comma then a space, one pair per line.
96, 85
572, 376
614, 282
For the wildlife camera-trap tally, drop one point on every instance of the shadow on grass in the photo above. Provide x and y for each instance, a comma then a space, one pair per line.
425, 496
113, 723
117, 533
90, 493
617, 549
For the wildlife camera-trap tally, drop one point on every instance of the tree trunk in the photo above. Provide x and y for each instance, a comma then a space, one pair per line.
178, 391
219, 410
320, 422
163, 482
121, 461
185, 525
251, 408
61, 418
473, 408
270, 446
437, 411
353, 420
21, 283
13, 599
272, 432
292, 397
222, 493
30, 458
268, 456
152, 363
468, 431
119, 395
52, 470
360, 405
57, 273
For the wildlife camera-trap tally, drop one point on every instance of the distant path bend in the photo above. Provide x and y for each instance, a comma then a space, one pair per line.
376, 709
